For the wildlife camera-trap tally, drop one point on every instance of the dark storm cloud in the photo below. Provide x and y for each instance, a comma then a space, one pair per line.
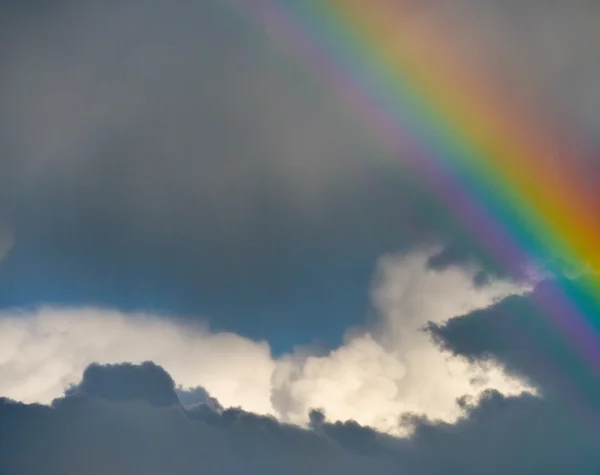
525, 337
87, 433
118, 383
551, 45
123, 426
166, 155
169, 155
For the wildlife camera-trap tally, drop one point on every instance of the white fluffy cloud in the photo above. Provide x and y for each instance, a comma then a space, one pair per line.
44, 351
379, 372
394, 367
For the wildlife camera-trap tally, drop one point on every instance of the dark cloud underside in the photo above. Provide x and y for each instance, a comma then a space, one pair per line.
525, 337
126, 419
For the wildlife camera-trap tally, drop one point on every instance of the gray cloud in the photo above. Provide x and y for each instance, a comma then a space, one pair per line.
120, 383
166, 155
548, 46
160, 103
166, 150
120, 427
521, 335
135, 130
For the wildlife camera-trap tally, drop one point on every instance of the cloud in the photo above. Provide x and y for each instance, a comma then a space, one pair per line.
383, 369
6, 241
125, 382
528, 341
197, 396
393, 361
159, 155
134, 131
166, 156
220, 125
45, 351
112, 430
503, 435
545, 49
88, 433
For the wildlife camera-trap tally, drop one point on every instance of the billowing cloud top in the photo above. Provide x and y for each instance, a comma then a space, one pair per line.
382, 370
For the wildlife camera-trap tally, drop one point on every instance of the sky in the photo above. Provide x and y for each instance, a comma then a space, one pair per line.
209, 264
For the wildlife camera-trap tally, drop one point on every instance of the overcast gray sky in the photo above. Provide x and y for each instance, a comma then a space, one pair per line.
177, 187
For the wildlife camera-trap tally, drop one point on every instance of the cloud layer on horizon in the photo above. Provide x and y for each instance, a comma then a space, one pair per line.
137, 407
385, 368
127, 418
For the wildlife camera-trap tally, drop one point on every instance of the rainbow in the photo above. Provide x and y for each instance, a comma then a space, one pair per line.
486, 152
